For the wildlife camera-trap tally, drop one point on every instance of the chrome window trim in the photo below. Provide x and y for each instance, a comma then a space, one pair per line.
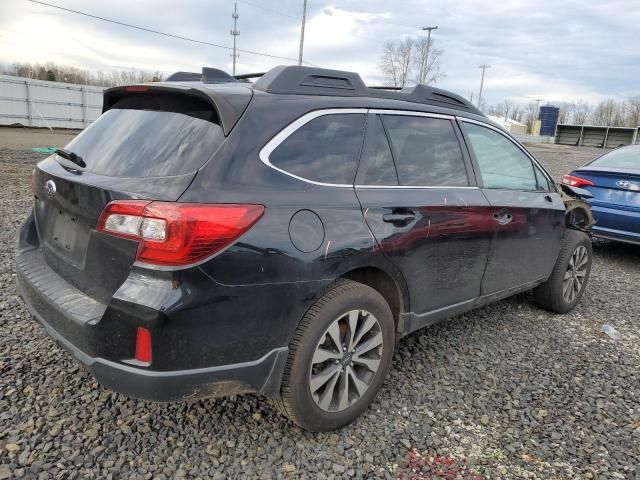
281, 136
291, 128
411, 113
515, 142
417, 187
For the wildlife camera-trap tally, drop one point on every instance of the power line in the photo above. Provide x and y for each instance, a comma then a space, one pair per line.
269, 9
162, 33
278, 12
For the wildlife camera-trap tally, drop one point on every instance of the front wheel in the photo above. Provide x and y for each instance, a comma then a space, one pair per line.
564, 288
338, 358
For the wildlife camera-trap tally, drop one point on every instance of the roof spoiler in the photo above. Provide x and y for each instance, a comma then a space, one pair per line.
229, 101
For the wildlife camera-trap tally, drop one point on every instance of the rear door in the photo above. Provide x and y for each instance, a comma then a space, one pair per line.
423, 208
526, 211
147, 146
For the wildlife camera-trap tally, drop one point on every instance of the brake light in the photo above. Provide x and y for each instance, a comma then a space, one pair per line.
136, 88
143, 345
573, 181
176, 234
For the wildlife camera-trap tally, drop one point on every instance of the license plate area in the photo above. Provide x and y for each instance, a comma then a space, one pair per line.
66, 235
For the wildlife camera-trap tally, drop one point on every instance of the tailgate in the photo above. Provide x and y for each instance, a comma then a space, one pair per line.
94, 263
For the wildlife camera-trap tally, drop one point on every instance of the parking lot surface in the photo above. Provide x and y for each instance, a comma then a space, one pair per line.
506, 391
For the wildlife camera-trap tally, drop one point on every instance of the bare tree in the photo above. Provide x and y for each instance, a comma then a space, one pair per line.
405, 55
530, 114
62, 73
389, 64
565, 109
606, 113
633, 111
581, 112
427, 62
507, 105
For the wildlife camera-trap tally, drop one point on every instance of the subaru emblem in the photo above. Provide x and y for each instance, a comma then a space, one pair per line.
50, 188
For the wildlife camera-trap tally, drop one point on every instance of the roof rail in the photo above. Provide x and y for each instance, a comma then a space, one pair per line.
246, 76
309, 80
215, 75
184, 77
320, 81
208, 75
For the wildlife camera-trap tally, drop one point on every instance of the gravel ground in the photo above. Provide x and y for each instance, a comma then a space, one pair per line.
507, 391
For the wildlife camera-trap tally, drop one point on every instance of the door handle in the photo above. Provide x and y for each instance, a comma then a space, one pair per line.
399, 218
503, 216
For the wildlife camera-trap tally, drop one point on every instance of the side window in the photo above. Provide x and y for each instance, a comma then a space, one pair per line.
324, 149
502, 164
426, 151
543, 182
376, 165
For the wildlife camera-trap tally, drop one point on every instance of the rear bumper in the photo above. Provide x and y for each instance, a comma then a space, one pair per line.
261, 376
98, 337
616, 224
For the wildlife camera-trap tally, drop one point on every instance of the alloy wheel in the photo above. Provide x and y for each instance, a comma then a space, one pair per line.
345, 360
575, 275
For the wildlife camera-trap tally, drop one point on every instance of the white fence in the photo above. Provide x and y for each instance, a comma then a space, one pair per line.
38, 103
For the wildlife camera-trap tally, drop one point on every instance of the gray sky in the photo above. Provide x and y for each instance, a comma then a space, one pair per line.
553, 49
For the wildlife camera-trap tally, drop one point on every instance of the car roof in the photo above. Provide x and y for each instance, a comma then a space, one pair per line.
322, 82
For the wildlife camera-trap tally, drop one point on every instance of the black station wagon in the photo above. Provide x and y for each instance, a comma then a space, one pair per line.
208, 236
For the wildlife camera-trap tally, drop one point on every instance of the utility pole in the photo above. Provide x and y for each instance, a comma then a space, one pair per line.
484, 66
304, 19
235, 32
426, 60
535, 116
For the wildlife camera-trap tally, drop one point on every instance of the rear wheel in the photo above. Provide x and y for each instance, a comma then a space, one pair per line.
564, 288
338, 358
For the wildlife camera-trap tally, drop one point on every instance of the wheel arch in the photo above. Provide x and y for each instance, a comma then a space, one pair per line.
392, 288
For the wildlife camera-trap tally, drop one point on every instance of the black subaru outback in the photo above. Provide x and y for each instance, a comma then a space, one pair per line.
207, 236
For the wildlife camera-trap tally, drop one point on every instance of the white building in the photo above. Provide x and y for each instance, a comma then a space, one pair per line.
509, 124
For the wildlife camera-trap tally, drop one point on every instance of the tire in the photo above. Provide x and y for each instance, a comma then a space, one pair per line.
553, 294
328, 408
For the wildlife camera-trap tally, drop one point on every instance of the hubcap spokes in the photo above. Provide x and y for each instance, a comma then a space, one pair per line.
575, 275
346, 360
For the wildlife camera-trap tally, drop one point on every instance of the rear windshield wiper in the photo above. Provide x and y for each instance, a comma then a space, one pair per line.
72, 157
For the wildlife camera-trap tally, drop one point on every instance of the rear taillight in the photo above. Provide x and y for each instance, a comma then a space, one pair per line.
177, 234
573, 181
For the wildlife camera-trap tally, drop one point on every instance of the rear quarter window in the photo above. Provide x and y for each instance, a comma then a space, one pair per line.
324, 150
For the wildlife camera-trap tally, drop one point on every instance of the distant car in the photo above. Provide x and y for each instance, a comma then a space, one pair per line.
613, 180
211, 237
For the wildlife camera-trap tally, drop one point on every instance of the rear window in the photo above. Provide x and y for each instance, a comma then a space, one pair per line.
324, 149
150, 137
628, 157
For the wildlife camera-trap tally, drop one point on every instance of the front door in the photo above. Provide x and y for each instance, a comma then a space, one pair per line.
423, 208
527, 212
